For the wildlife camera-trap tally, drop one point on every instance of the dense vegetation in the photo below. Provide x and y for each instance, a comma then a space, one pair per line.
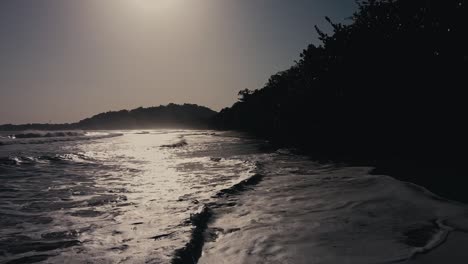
388, 83
170, 116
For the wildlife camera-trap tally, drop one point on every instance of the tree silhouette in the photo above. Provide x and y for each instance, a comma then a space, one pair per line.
389, 82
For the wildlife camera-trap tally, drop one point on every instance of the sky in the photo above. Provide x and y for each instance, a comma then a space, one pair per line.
62, 61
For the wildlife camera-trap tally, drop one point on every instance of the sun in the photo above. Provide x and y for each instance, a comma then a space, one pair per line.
152, 6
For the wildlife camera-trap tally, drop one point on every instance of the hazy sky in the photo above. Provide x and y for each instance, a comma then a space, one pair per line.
64, 60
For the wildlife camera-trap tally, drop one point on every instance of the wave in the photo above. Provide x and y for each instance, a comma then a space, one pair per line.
26, 160
178, 144
46, 139
26, 244
192, 251
241, 186
30, 259
40, 134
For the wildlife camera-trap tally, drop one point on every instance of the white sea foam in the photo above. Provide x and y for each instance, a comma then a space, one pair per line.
126, 199
306, 212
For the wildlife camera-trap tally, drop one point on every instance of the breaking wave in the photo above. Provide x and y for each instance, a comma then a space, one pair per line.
39, 134
241, 186
51, 137
29, 160
178, 144
192, 251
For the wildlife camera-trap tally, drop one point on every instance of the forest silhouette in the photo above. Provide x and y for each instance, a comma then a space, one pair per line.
388, 84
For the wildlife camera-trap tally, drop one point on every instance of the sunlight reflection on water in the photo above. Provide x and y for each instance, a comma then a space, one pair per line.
126, 199
158, 196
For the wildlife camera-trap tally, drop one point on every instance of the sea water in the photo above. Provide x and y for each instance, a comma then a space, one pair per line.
187, 196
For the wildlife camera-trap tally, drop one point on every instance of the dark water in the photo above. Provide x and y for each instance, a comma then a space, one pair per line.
167, 196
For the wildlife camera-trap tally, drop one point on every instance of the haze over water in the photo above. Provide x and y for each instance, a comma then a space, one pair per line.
146, 196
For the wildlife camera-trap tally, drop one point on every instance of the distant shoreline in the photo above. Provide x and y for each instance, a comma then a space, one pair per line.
163, 116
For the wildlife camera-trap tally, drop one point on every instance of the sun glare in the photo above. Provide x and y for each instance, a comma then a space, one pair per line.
154, 6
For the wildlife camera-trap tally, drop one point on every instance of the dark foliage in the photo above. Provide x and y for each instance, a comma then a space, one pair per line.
390, 83
170, 116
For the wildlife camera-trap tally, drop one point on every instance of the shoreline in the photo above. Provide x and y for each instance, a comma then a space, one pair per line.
441, 175
444, 180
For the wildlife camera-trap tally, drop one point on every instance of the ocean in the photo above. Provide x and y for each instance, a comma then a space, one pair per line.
188, 196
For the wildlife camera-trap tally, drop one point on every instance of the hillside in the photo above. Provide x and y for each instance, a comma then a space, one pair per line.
170, 116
